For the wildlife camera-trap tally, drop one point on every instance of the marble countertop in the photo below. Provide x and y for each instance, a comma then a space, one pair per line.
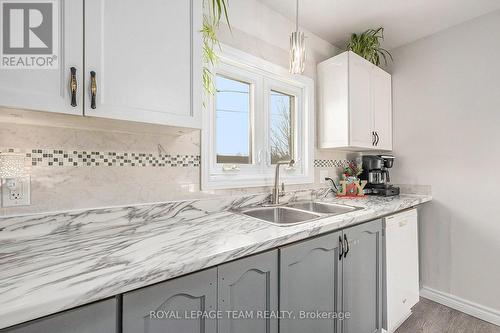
53, 262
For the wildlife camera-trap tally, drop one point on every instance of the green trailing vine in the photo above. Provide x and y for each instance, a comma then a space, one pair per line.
367, 45
214, 12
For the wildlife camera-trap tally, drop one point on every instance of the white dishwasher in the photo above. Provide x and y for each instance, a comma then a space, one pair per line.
401, 278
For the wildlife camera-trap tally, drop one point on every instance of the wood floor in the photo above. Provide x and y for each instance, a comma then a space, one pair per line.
431, 317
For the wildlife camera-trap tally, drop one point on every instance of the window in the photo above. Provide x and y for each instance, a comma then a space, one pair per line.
259, 115
282, 126
232, 127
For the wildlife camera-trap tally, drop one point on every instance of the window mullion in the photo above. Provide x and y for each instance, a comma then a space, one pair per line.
260, 126
266, 125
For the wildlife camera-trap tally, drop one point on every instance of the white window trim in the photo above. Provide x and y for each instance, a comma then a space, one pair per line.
264, 76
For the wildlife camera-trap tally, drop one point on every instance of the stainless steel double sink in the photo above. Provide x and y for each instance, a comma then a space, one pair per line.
297, 212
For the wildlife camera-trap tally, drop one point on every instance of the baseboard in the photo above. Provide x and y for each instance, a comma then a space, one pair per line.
401, 321
476, 310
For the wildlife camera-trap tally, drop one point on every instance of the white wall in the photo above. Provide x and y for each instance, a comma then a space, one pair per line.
447, 133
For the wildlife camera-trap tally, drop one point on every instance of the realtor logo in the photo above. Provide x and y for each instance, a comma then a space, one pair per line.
29, 34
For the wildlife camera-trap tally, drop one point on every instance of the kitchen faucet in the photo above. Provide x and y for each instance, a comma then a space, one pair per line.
275, 200
334, 189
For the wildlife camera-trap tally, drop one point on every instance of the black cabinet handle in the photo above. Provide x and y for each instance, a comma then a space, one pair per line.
73, 86
341, 248
378, 139
373, 139
93, 90
346, 242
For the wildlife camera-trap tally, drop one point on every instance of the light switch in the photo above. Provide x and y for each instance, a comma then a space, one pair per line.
16, 191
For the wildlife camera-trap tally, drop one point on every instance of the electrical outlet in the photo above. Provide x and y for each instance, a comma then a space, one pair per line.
16, 191
16, 195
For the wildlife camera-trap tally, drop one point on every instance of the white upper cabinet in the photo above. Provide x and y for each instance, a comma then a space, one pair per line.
360, 103
382, 108
143, 63
36, 68
355, 100
147, 60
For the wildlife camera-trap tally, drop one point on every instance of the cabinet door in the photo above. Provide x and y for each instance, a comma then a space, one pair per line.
360, 108
382, 107
310, 280
146, 56
362, 278
250, 287
94, 318
333, 100
180, 305
45, 89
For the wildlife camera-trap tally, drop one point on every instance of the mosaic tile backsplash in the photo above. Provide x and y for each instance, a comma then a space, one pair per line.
331, 163
43, 157
73, 158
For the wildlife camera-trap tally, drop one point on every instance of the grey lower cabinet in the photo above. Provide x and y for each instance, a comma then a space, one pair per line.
248, 294
98, 317
362, 278
182, 305
336, 273
310, 281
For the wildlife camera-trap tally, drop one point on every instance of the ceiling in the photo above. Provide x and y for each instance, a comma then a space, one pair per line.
404, 21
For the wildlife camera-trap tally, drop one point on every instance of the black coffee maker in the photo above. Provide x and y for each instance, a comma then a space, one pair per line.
376, 173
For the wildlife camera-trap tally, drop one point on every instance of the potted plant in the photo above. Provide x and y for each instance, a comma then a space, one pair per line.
367, 45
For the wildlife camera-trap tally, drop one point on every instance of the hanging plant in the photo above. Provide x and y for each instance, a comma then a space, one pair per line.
214, 12
367, 45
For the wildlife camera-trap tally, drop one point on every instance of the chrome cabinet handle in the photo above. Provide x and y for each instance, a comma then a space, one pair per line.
73, 86
341, 248
346, 242
93, 90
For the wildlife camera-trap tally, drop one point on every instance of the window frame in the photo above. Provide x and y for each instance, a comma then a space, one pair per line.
271, 85
263, 77
223, 71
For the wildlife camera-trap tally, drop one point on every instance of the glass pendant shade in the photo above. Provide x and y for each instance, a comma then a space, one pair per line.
297, 52
297, 47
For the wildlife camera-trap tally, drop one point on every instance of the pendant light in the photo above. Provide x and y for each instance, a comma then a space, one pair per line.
297, 48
